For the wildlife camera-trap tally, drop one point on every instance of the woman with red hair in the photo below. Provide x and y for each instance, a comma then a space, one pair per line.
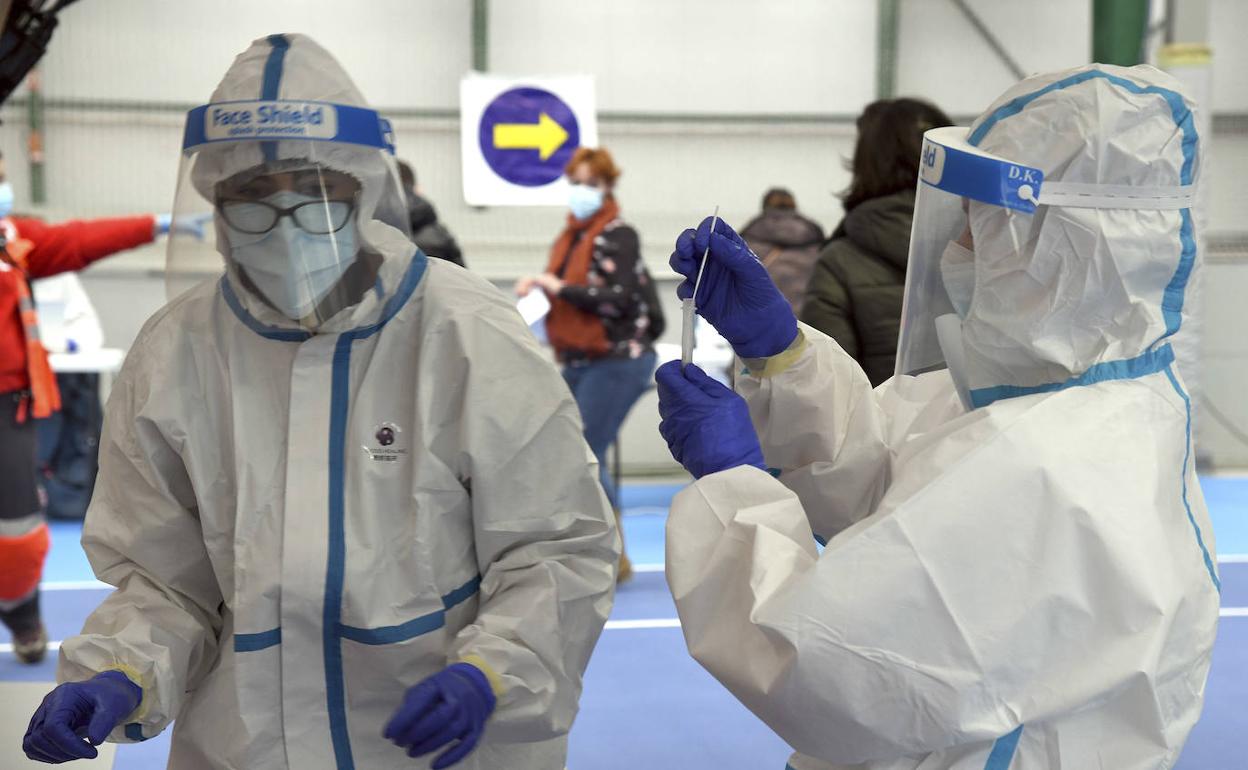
605, 314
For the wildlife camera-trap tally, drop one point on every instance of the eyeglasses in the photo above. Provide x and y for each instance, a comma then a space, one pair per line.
317, 217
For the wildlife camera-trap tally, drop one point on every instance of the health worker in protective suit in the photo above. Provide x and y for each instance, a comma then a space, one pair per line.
342, 536
1018, 569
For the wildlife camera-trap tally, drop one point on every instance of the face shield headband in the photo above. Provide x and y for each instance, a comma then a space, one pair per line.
274, 120
950, 163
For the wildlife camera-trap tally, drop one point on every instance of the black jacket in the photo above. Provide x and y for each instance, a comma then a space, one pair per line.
859, 280
429, 234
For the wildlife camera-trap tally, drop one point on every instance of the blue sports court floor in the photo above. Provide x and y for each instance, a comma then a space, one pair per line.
648, 705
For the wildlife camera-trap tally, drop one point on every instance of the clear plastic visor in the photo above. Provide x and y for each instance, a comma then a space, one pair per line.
939, 219
940, 272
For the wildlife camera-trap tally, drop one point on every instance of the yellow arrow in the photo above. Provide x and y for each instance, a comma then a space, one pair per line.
546, 137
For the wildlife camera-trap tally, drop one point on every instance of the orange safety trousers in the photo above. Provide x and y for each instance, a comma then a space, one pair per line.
21, 562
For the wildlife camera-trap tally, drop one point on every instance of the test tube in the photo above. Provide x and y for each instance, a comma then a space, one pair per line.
688, 307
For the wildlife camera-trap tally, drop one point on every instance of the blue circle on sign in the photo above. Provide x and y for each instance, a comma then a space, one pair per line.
528, 135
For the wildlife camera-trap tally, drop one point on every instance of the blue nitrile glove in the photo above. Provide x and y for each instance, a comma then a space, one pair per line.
190, 224
77, 710
451, 705
737, 296
705, 424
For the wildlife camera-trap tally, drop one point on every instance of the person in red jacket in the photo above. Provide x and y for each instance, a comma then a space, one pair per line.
31, 249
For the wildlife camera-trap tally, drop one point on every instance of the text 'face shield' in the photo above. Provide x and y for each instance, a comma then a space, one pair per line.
300, 198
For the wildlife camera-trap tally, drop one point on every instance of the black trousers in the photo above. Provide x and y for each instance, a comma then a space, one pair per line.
19, 494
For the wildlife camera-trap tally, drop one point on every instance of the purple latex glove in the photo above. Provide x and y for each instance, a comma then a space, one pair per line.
737, 296
451, 705
707, 426
78, 710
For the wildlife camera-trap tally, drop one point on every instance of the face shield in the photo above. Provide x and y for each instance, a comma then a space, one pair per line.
299, 203
967, 198
959, 186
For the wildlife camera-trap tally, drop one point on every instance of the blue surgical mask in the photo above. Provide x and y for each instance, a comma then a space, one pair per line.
6, 199
584, 201
294, 269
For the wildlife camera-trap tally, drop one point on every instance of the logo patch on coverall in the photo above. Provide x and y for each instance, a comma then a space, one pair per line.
387, 444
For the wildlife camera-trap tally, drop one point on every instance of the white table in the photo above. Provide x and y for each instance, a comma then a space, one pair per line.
105, 362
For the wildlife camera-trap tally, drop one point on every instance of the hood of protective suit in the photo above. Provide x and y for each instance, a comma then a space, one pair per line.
295, 67
1066, 289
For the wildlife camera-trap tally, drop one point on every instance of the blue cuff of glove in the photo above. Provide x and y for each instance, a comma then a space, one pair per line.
768, 345
121, 678
478, 678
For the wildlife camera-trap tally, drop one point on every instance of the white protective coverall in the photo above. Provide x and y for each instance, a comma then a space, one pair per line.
1026, 585
303, 525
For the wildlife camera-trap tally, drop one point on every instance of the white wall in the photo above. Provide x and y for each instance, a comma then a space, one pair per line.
1225, 363
400, 52
940, 56
697, 56
697, 61
1228, 19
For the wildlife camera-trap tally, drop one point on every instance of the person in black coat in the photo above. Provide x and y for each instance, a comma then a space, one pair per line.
427, 232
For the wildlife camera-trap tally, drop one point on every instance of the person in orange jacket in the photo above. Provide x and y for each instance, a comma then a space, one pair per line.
31, 249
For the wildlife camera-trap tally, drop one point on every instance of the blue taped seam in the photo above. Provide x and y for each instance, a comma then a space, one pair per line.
407, 287
395, 634
273, 66
1172, 299
272, 83
462, 594
1187, 457
1003, 750
417, 626
258, 641
1152, 362
335, 568
264, 330
335, 683
134, 732
414, 273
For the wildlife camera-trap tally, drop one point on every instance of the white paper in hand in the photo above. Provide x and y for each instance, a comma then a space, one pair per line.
533, 306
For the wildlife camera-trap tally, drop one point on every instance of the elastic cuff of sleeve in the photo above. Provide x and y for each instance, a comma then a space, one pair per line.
496, 682
133, 675
773, 365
